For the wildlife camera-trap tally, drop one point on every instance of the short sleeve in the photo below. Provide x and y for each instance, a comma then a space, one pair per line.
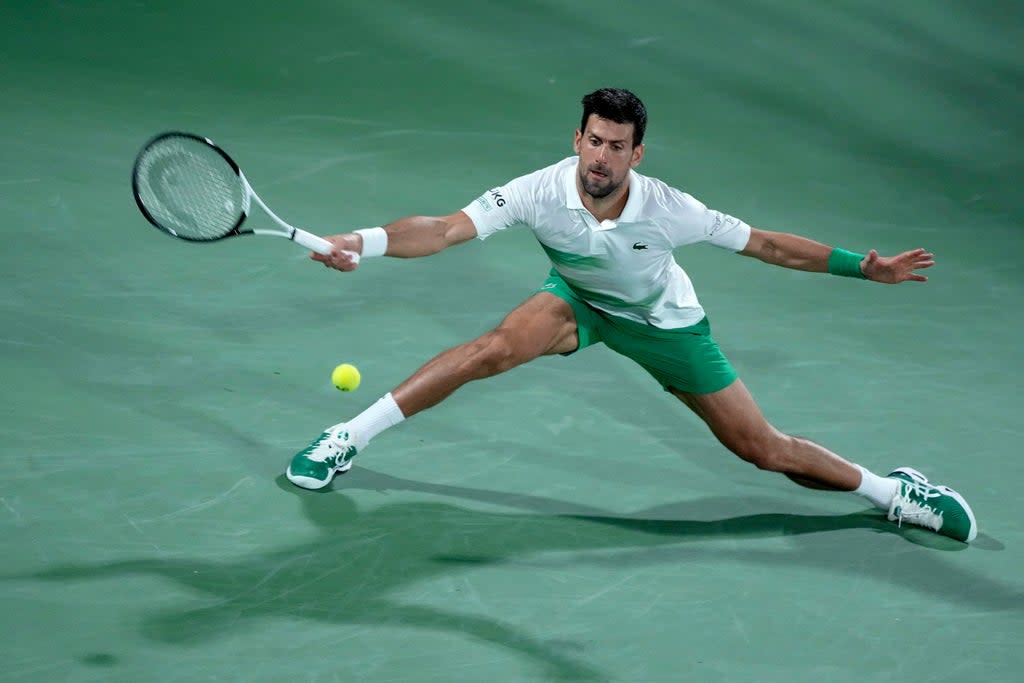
501, 207
691, 221
726, 231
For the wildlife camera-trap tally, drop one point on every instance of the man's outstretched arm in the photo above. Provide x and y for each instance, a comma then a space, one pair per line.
405, 238
799, 253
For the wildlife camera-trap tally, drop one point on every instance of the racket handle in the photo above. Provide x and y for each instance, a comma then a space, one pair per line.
317, 244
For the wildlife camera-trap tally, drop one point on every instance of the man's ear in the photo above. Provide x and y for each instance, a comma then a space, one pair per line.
638, 155
576, 141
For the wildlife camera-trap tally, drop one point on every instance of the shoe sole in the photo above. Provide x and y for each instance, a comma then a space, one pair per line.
314, 484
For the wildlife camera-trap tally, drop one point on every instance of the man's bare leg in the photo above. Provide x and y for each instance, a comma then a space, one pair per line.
906, 495
543, 324
734, 418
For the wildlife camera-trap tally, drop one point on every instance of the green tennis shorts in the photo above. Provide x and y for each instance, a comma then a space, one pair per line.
687, 359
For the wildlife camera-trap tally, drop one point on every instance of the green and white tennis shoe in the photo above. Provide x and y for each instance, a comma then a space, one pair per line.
939, 508
330, 453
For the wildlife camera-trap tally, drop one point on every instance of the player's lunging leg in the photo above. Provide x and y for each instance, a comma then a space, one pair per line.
905, 494
544, 324
735, 419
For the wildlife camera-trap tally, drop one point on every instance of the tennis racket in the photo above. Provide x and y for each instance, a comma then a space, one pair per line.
191, 189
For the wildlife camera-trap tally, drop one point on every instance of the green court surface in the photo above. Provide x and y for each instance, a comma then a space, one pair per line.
567, 520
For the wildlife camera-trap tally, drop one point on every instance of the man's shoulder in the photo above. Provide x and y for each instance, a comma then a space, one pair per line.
660, 197
658, 186
550, 172
544, 184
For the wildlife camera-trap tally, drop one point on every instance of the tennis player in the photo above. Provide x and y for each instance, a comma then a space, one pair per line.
610, 233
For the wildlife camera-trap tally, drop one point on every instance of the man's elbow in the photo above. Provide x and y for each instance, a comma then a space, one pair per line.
763, 248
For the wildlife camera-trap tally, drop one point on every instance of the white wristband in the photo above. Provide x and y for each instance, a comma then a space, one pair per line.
375, 241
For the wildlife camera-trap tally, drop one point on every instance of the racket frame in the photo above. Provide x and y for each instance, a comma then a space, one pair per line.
297, 235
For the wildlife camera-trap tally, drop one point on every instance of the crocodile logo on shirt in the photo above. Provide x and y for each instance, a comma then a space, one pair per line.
639, 245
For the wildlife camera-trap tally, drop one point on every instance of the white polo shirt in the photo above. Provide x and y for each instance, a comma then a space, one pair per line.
623, 267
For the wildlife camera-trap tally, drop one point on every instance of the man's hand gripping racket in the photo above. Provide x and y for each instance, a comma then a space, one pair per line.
191, 189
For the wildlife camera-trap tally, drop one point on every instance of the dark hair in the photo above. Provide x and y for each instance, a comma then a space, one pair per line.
618, 105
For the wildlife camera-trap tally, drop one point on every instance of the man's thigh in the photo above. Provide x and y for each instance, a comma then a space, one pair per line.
587, 321
543, 324
731, 413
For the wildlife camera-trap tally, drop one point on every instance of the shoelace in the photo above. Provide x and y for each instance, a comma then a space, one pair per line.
906, 508
316, 453
923, 489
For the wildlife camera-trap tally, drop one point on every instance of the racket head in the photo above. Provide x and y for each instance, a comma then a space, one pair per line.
190, 188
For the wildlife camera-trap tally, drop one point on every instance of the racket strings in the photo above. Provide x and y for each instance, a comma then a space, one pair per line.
189, 189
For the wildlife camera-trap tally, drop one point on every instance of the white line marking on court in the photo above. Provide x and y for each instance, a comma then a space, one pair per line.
21, 181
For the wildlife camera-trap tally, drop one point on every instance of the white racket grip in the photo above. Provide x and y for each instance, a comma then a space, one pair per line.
317, 244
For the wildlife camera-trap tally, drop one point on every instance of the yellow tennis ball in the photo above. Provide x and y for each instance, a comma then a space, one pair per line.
346, 377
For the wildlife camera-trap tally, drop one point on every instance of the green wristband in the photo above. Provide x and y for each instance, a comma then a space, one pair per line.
845, 263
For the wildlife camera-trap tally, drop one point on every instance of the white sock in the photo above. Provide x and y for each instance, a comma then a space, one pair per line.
879, 490
375, 419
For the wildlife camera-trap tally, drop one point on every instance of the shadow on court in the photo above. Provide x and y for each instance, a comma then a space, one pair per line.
361, 557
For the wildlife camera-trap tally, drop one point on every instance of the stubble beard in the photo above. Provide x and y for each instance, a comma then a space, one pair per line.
598, 190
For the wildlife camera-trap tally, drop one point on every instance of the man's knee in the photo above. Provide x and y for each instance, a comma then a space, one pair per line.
766, 449
493, 353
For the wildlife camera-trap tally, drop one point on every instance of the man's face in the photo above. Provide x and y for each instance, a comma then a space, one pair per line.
606, 154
